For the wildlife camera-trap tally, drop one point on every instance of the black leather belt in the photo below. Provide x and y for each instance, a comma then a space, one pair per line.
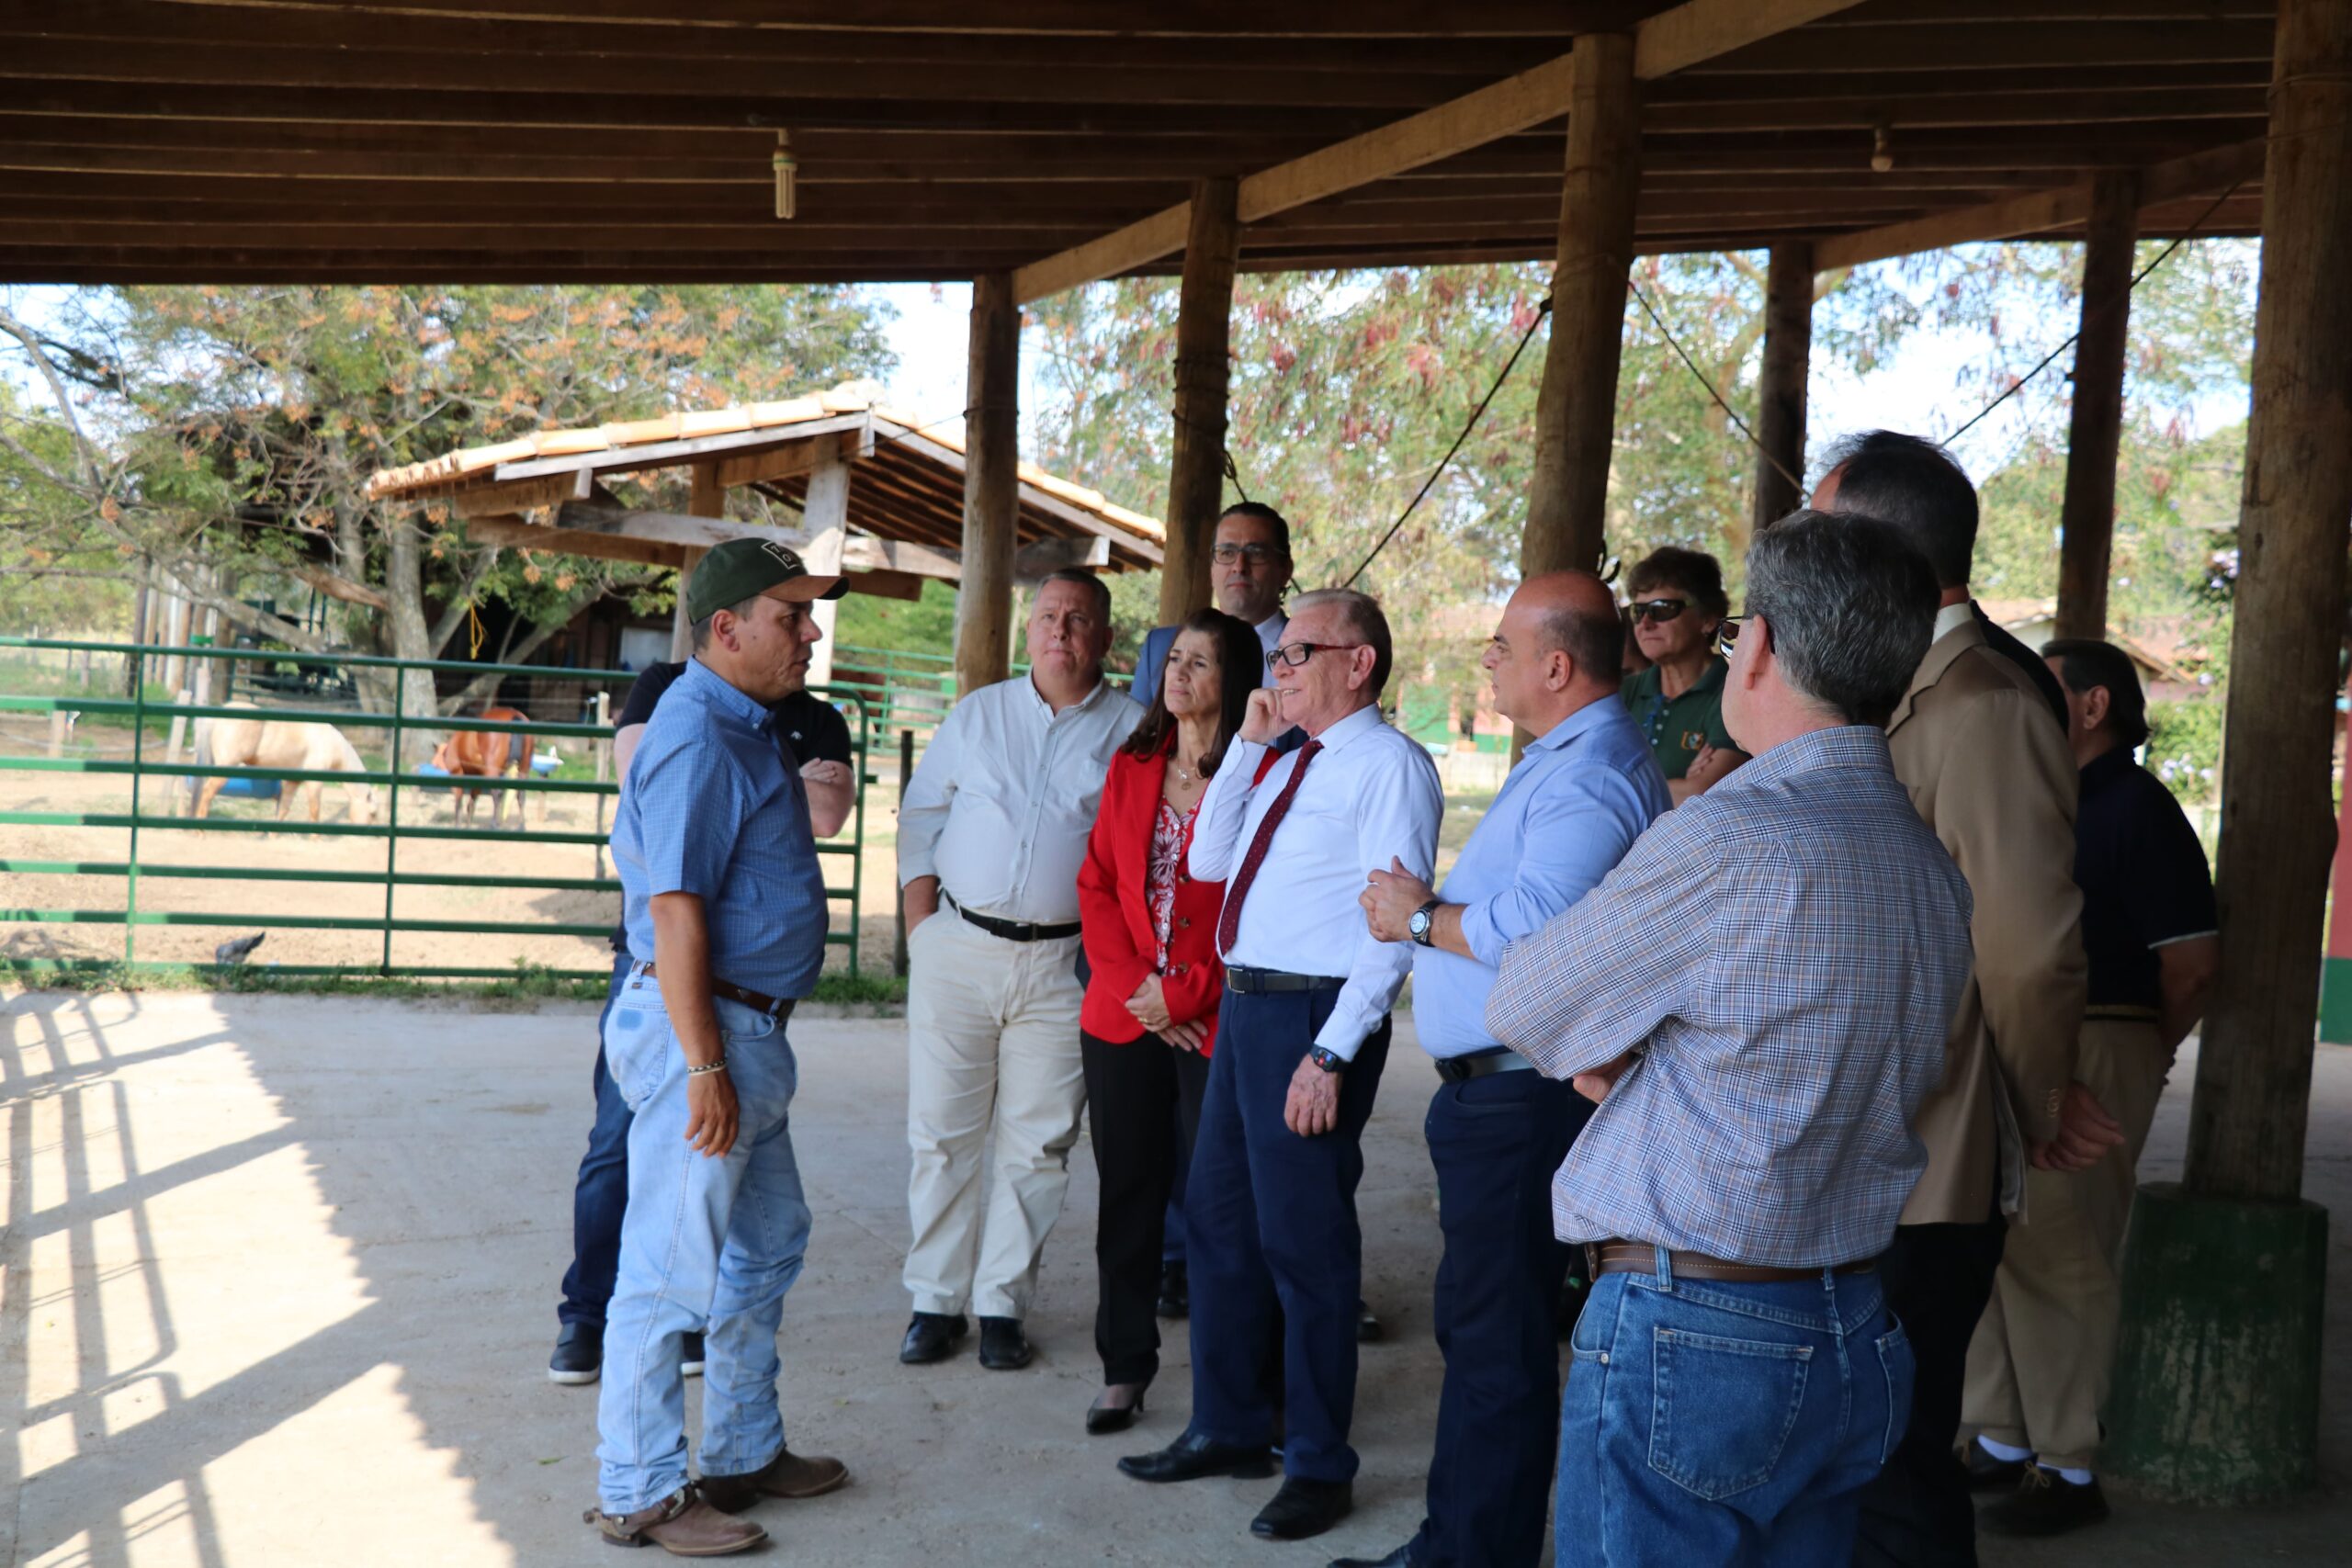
777, 1007
1259, 982
1641, 1257
1480, 1063
1012, 930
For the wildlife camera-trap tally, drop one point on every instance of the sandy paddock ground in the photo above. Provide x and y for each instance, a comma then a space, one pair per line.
100, 792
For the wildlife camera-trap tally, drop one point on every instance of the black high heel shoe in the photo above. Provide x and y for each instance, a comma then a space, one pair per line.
1103, 1419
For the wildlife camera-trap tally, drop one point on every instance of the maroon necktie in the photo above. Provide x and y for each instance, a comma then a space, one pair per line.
1228, 924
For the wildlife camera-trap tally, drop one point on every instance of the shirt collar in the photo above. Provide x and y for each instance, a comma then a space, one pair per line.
2105, 769
1710, 679
1362, 722
1951, 617
1589, 717
715, 688
1029, 680
1841, 746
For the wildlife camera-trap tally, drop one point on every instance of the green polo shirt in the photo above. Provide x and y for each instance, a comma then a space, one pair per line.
1679, 726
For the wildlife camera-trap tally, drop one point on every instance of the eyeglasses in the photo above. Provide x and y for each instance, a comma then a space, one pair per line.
1297, 653
1658, 609
1257, 554
1727, 630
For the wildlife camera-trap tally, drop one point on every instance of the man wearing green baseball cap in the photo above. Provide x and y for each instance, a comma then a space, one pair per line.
724, 906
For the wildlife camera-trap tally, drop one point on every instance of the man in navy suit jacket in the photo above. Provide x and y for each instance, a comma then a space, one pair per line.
1251, 555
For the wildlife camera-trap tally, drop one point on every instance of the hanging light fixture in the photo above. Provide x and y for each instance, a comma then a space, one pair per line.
1882, 149
787, 172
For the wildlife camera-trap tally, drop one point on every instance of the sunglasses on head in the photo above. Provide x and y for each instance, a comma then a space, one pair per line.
1658, 609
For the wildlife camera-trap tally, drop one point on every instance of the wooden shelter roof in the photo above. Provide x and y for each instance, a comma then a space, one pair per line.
611, 140
906, 488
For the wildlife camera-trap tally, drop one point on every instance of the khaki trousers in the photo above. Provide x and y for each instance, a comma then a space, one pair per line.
2039, 1368
992, 1039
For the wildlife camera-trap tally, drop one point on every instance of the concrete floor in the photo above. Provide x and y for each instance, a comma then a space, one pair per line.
279, 1277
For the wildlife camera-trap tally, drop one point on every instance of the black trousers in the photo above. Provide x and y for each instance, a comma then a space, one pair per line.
1917, 1514
1275, 1252
1496, 1142
1143, 1107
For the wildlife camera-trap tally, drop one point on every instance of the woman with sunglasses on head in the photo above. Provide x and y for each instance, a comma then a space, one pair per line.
1154, 982
1678, 604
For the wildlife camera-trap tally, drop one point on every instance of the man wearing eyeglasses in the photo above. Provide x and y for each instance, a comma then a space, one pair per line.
1303, 1035
1252, 553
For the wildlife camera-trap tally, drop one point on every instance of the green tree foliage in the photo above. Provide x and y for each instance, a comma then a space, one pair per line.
226, 435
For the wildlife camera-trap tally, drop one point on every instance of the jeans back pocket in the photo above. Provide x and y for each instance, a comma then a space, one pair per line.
1723, 1409
1895, 1360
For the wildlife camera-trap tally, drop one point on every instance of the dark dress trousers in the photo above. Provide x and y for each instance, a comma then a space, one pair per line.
1143, 1095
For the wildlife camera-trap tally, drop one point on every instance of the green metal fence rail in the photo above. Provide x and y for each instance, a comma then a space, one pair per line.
392, 780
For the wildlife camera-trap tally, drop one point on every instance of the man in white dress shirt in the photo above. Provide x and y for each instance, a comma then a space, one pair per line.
990, 837
1302, 1035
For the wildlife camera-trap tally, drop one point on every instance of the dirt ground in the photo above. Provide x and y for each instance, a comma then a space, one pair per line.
100, 792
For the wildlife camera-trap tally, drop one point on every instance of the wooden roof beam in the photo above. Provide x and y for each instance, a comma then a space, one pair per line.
1667, 42
2212, 171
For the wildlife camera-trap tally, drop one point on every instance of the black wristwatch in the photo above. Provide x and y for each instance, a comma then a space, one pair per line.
1423, 925
1325, 1060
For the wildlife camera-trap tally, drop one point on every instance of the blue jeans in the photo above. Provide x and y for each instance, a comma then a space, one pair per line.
708, 1244
602, 1190
1713, 1422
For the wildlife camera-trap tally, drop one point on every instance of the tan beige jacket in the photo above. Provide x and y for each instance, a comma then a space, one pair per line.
1975, 745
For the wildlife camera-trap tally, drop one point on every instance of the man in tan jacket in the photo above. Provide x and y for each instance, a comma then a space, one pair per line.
1989, 769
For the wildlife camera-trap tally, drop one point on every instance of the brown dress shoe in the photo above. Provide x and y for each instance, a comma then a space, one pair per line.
682, 1524
787, 1475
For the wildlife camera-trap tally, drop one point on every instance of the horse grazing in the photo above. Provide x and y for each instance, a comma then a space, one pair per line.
486, 754
280, 743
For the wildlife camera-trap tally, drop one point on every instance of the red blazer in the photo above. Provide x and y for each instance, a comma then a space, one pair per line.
1116, 915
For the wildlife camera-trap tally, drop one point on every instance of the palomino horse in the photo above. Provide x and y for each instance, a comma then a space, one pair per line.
278, 743
486, 754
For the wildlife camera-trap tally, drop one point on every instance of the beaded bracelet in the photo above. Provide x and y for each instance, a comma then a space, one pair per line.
718, 1067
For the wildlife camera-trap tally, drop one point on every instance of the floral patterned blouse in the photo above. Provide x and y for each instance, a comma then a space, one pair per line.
1169, 833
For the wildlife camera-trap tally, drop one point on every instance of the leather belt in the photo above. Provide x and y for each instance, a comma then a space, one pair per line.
1261, 982
777, 1007
1010, 931
1480, 1063
1641, 1257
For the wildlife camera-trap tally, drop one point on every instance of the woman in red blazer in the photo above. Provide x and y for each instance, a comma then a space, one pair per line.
1150, 1017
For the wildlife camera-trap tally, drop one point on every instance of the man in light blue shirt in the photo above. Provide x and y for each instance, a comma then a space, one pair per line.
1566, 815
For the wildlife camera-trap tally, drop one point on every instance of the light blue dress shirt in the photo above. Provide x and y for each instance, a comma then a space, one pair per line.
710, 808
1563, 818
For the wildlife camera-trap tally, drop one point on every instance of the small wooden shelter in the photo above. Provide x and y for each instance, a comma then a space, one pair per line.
880, 496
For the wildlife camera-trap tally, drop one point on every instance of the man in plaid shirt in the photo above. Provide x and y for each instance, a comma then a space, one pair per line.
1758, 996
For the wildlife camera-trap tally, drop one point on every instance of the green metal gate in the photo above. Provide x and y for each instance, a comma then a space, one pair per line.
146, 769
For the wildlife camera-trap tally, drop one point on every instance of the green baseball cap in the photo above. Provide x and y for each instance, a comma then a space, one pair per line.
744, 568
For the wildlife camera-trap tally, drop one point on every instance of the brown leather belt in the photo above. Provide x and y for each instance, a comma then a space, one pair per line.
777, 1007
1641, 1257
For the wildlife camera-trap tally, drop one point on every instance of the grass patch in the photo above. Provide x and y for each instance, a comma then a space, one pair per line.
530, 983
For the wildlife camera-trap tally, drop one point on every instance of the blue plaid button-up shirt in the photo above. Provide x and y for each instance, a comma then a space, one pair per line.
1783, 953
708, 807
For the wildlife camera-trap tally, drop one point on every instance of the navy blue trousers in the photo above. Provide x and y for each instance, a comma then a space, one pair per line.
1496, 1142
601, 1195
1275, 1258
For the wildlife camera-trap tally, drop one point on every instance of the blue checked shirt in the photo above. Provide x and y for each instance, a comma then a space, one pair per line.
708, 807
1783, 953
1565, 816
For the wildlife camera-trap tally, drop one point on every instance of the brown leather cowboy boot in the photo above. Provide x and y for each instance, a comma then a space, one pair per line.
787, 1475
682, 1524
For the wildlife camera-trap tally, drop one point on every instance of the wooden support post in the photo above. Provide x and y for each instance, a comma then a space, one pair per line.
1780, 389
824, 516
708, 498
2245, 1131
992, 486
2087, 519
1204, 338
1574, 413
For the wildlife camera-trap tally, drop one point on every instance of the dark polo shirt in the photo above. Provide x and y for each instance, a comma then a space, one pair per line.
1677, 728
2144, 879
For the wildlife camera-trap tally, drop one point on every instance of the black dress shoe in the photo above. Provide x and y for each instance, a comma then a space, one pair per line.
579, 1354
1368, 1329
1004, 1348
1987, 1473
2045, 1503
931, 1335
1175, 1290
1303, 1508
1401, 1558
1103, 1419
1191, 1457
